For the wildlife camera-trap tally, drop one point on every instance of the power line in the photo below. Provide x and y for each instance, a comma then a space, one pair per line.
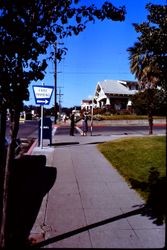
94, 73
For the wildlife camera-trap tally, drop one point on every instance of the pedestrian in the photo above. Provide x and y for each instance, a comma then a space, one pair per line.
64, 118
72, 125
85, 124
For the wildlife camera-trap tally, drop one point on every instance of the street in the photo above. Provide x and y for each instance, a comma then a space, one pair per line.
30, 129
115, 130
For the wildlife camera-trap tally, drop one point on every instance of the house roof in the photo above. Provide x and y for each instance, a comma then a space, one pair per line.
87, 101
115, 87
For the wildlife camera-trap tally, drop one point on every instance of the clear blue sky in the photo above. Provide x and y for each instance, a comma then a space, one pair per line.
98, 53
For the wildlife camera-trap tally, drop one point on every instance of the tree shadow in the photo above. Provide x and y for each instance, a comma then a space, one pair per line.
156, 186
155, 208
139, 211
66, 235
31, 180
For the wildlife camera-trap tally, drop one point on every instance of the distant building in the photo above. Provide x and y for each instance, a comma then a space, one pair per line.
115, 94
86, 104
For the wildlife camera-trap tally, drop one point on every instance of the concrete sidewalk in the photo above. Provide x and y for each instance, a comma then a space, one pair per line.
90, 201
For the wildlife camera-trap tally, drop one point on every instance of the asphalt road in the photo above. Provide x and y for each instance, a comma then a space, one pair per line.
116, 130
119, 130
26, 130
30, 129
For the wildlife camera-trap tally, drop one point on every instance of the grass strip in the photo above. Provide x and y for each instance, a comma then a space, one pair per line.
140, 160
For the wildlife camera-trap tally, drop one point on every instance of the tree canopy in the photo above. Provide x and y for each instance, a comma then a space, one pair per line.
149, 100
28, 28
148, 60
148, 56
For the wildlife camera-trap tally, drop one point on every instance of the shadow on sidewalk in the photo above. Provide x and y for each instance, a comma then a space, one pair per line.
155, 209
31, 180
142, 211
63, 144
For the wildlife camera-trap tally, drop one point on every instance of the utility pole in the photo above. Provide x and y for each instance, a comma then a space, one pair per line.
60, 95
55, 83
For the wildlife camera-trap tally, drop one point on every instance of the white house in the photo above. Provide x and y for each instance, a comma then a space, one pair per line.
86, 104
115, 94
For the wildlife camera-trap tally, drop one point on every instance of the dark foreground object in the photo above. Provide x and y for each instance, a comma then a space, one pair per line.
31, 180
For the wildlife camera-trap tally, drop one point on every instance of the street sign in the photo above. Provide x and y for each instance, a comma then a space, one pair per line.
43, 94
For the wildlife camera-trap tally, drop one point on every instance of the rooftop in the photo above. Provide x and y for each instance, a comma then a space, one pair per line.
115, 87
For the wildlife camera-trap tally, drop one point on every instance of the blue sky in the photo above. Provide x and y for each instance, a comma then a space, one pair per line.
96, 54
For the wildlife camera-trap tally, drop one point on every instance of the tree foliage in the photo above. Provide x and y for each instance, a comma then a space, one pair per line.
149, 100
28, 30
148, 56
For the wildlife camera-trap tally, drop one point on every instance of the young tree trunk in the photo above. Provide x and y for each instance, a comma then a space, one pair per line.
4, 227
150, 121
150, 97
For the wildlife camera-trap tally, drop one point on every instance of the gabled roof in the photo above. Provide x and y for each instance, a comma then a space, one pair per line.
115, 87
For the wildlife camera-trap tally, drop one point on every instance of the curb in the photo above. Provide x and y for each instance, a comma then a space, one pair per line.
29, 152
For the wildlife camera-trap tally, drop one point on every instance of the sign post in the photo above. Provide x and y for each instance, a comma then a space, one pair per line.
42, 95
41, 137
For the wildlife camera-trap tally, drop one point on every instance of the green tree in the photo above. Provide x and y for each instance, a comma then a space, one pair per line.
28, 29
148, 101
148, 56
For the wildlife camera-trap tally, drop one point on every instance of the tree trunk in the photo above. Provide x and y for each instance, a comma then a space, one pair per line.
5, 233
150, 98
2, 135
2, 154
150, 121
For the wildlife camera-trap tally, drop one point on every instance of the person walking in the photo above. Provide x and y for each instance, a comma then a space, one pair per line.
72, 125
85, 124
64, 118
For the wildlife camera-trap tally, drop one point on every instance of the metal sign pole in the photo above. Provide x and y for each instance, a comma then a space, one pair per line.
41, 137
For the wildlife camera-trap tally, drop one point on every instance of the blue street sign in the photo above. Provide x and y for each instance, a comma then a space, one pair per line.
42, 94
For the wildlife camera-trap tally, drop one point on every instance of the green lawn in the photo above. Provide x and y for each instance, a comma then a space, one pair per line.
141, 160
